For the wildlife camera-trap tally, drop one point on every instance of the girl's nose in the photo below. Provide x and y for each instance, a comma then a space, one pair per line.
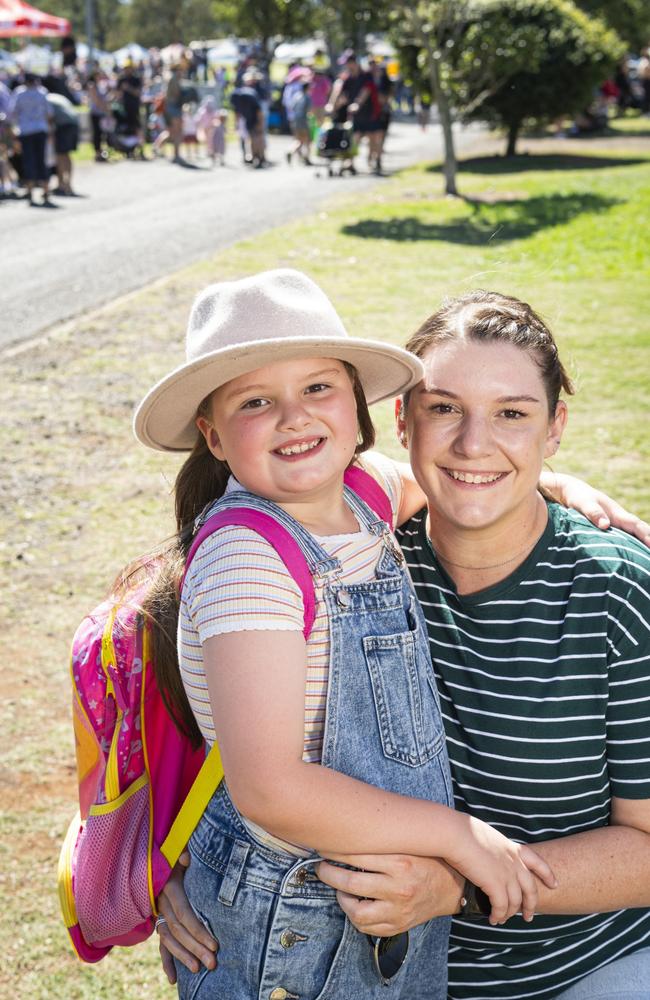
293, 415
474, 438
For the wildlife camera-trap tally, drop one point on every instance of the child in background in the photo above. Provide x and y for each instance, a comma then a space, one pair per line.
334, 743
211, 129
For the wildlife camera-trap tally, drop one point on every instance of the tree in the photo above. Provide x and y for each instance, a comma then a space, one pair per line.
630, 19
530, 61
265, 21
427, 32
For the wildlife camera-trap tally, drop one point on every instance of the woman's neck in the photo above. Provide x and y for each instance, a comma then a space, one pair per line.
476, 559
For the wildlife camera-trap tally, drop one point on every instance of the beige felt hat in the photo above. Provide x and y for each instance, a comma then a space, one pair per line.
238, 326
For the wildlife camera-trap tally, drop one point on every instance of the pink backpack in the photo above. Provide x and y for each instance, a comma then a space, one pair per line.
142, 787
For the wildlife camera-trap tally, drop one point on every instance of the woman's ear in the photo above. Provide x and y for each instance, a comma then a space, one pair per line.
400, 422
209, 432
556, 429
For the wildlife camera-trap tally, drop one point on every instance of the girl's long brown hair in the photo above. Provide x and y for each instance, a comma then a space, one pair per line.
201, 479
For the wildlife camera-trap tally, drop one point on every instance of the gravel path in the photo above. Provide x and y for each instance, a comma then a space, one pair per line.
136, 222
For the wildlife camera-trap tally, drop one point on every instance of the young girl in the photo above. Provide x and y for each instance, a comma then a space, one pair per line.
334, 744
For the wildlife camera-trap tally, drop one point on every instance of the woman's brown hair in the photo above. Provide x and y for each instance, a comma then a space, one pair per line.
201, 480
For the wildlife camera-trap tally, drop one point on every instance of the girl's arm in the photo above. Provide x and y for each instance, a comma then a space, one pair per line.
256, 682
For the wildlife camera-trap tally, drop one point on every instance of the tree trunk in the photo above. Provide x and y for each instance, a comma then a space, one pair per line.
441, 99
513, 135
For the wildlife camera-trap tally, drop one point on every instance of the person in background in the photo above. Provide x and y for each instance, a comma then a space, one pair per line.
31, 113
174, 111
66, 140
319, 92
97, 95
299, 121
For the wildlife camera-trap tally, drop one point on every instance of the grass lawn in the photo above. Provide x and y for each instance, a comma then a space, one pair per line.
563, 225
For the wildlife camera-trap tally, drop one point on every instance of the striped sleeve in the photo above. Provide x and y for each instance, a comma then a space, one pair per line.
628, 715
237, 581
386, 472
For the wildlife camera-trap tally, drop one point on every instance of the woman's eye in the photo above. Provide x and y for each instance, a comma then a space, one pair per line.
513, 414
442, 408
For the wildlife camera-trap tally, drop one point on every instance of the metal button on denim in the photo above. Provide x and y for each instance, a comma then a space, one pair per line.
344, 599
288, 938
300, 876
279, 993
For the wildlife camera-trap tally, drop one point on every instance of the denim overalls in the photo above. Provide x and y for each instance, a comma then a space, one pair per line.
281, 932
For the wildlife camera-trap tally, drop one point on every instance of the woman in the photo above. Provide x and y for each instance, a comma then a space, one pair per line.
538, 629
526, 696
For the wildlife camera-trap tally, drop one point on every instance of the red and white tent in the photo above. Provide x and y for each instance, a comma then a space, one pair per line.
18, 19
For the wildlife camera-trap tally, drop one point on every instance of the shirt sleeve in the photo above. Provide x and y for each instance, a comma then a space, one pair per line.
238, 582
628, 714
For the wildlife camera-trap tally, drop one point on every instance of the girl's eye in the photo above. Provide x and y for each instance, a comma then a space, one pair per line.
317, 387
254, 404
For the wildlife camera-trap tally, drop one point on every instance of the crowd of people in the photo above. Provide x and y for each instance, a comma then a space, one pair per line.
142, 109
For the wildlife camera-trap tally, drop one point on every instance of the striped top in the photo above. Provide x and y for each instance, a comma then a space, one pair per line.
237, 581
544, 681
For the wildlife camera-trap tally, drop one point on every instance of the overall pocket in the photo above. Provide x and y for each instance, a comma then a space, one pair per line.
408, 715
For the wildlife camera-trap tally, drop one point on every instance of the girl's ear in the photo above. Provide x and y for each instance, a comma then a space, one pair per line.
556, 429
400, 422
209, 432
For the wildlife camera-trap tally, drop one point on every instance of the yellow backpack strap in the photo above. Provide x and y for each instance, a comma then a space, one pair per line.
112, 779
205, 785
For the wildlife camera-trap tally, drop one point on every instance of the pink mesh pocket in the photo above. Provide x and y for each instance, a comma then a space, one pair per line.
110, 880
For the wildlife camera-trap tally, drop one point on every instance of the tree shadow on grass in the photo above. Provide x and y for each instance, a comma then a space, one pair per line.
501, 221
545, 161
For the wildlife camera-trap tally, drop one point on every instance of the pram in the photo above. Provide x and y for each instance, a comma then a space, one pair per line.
336, 142
120, 135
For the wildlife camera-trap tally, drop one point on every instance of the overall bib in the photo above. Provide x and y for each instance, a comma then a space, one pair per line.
281, 932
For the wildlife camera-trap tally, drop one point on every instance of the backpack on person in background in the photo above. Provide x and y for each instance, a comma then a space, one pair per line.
142, 785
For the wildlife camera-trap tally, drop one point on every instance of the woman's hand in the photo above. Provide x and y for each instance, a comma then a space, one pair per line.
181, 934
503, 869
599, 508
386, 894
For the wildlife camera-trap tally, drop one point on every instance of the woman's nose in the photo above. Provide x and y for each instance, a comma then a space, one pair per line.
474, 438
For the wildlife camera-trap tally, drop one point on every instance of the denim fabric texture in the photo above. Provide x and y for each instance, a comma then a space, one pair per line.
281, 932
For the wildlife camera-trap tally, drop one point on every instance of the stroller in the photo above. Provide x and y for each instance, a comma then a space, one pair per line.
336, 142
120, 135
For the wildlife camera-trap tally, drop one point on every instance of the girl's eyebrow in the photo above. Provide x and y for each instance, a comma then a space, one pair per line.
261, 388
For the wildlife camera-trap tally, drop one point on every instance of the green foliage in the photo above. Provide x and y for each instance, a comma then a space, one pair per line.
265, 20
525, 61
159, 22
110, 18
630, 19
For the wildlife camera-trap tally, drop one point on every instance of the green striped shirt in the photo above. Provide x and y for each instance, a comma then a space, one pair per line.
544, 681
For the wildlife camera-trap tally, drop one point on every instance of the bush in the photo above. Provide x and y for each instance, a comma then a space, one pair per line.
530, 62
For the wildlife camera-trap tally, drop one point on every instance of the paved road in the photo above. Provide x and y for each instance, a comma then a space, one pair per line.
139, 221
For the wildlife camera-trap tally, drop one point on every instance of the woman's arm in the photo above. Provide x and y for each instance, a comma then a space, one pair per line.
597, 871
256, 683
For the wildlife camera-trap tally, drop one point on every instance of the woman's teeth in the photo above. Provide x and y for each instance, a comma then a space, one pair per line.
297, 449
468, 477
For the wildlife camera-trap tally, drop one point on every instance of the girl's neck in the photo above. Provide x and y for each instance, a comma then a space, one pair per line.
476, 559
323, 519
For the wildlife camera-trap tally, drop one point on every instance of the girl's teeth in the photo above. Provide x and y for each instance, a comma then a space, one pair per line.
468, 477
297, 449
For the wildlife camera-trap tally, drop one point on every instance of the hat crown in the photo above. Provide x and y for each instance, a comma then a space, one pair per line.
280, 304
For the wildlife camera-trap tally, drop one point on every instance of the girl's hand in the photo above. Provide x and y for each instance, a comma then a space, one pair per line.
504, 870
599, 508
182, 935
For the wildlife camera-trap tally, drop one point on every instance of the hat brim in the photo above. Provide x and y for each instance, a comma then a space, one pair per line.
165, 419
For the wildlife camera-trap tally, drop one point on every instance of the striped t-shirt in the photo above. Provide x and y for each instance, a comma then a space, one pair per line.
544, 681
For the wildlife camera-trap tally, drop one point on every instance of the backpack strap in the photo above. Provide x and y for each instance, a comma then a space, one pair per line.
367, 487
282, 541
